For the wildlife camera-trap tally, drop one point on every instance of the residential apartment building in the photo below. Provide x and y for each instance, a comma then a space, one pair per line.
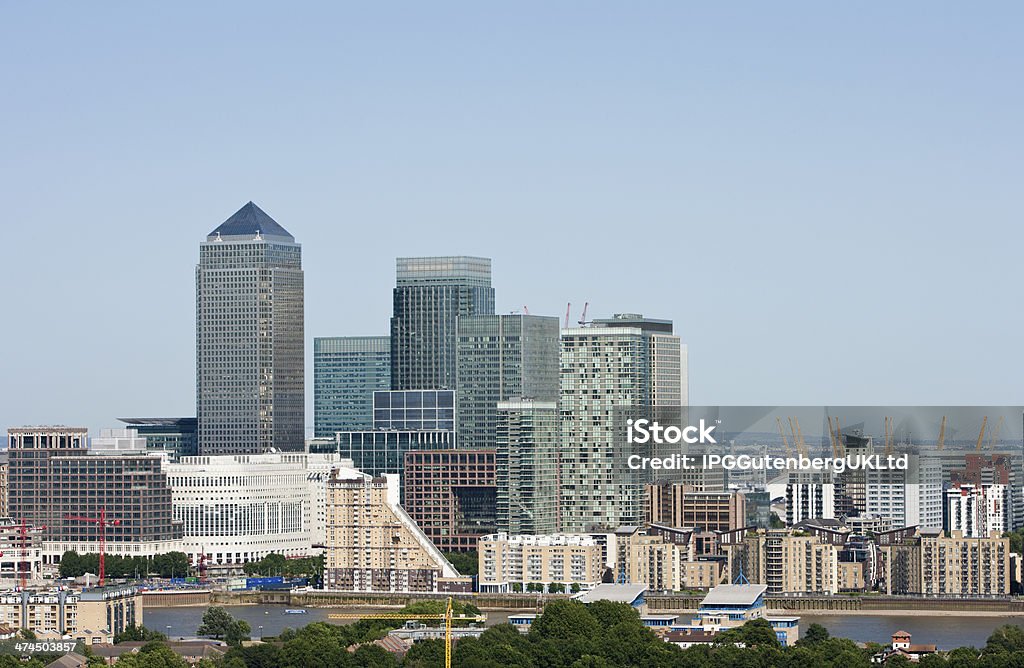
609, 376
372, 543
906, 497
977, 510
430, 295
451, 495
810, 495
788, 561
933, 563
512, 563
90, 616
347, 370
501, 357
249, 337
528, 435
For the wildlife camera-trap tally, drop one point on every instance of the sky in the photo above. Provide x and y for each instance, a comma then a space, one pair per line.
824, 198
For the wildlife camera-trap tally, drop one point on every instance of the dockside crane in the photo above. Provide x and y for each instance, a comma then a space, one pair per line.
568, 306
782, 433
981, 434
942, 433
448, 615
102, 523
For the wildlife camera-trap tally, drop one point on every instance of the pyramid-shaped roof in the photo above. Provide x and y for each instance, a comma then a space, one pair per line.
249, 221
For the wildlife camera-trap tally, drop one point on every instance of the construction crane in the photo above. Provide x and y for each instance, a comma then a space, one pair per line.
567, 307
448, 615
782, 433
102, 523
24, 563
942, 433
526, 310
981, 434
583, 318
993, 434
839, 439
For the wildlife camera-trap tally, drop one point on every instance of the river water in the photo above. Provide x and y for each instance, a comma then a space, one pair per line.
946, 631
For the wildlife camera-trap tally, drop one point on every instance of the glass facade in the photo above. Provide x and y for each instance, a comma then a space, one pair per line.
347, 370
376, 452
528, 434
249, 337
501, 357
610, 369
414, 410
431, 293
177, 436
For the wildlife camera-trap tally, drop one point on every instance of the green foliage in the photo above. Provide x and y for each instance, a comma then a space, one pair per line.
755, 633
775, 523
816, 633
218, 623
172, 564
466, 563
556, 588
575, 588
565, 620
152, 655
277, 565
138, 633
1005, 639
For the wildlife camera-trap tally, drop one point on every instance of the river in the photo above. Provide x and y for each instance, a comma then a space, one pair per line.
946, 631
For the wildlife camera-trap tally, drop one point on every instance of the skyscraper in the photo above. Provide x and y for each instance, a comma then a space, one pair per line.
249, 337
347, 370
430, 294
528, 434
613, 370
500, 357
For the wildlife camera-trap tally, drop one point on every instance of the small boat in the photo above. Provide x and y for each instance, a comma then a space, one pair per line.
294, 611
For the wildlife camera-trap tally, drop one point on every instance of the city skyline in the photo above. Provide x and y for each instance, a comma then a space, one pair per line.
801, 219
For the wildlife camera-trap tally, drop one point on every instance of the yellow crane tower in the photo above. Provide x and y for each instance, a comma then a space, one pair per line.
942, 433
981, 435
448, 615
782, 433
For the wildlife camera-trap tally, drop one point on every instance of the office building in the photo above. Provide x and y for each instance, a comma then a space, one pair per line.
249, 337
608, 376
372, 543
239, 508
676, 505
414, 410
430, 295
500, 357
55, 480
528, 434
178, 437
509, 563
347, 370
451, 495
380, 452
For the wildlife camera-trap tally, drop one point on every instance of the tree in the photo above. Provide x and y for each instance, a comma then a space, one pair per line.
373, 656
575, 587
609, 614
1006, 638
138, 633
816, 633
517, 587
237, 631
216, 621
754, 633
466, 563
565, 620
556, 588
152, 655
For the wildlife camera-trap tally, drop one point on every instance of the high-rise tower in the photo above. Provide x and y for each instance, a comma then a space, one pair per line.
249, 337
430, 294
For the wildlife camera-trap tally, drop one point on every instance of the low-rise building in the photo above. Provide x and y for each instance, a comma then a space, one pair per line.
730, 606
90, 616
514, 562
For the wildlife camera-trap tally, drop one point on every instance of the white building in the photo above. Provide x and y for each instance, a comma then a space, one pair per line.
976, 511
810, 496
240, 508
513, 562
911, 497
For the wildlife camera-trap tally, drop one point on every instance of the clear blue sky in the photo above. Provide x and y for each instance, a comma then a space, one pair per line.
826, 199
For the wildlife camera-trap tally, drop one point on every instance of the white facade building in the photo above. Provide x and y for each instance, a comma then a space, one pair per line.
911, 497
810, 496
976, 511
240, 508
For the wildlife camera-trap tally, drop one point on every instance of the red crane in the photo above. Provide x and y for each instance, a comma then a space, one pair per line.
102, 523
24, 559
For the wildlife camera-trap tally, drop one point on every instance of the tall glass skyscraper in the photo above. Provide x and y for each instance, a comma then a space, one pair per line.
621, 367
430, 295
501, 357
347, 370
249, 337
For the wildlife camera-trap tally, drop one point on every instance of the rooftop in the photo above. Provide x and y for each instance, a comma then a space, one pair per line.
249, 221
616, 593
734, 594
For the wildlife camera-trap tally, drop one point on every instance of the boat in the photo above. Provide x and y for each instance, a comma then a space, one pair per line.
295, 611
